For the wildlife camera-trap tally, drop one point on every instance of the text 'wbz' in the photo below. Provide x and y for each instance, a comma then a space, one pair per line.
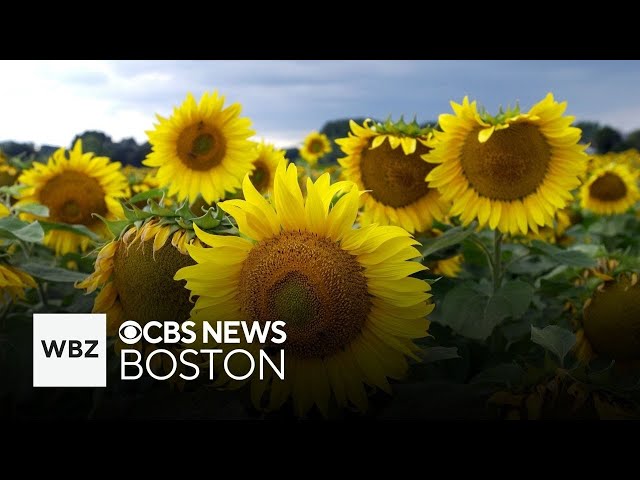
218, 333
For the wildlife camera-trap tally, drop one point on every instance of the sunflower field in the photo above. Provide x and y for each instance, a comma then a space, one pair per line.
485, 267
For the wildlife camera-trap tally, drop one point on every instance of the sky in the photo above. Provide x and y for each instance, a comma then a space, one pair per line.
49, 102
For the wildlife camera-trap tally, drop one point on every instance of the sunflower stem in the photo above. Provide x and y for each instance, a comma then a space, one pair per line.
42, 294
486, 252
497, 260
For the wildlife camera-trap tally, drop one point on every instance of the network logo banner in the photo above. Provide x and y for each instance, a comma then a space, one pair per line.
69, 350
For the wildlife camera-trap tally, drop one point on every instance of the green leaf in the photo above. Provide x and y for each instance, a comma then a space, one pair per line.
153, 193
33, 208
507, 374
12, 228
52, 274
572, 258
475, 314
207, 221
496, 310
515, 331
462, 310
556, 339
157, 209
185, 211
134, 214
518, 294
13, 190
78, 229
435, 354
115, 226
451, 237
545, 248
610, 226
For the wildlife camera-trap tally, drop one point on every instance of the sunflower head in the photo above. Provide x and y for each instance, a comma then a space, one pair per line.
202, 148
556, 233
448, 267
611, 189
384, 159
75, 186
143, 180
316, 145
511, 171
611, 320
13, 283
629, 158
8, 173
134, 272
264, 166
350, 304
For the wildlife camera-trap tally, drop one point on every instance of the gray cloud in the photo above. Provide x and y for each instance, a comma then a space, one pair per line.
286, 99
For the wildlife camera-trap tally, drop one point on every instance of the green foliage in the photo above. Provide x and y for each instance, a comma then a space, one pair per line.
14, 229
556, 339
52, 273
474, 312
453, 236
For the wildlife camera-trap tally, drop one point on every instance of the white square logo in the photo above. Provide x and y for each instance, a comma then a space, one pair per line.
69, 350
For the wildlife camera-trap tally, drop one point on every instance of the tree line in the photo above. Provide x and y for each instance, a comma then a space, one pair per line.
126, 151
603, 139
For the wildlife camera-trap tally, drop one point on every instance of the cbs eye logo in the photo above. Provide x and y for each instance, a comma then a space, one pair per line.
130, 332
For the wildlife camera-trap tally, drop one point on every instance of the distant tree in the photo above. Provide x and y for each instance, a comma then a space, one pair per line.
589, 129
45, 152
140, 154
608, 139
126, 151
291, 154
96, 142
633, 140
13, 149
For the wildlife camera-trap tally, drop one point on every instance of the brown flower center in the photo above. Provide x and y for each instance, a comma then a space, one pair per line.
316, 146
72, 197
608, 188
201, 147
310, 283
395, 179
612, 320
508, 166
260, 177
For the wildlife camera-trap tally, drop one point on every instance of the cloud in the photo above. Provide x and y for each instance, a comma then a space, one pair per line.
50, 102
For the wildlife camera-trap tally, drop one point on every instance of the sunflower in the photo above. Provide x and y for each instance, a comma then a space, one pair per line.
8, 173
610, 190
74, 188
202, 148
611, 321
265, 165
512, 171
556, 233
351, 307
630, 158
135, 273
448, 267
316, 145
145, 182
385, 161
13, 282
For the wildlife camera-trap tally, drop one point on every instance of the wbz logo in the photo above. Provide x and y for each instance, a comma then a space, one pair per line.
75, 348
69, 350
